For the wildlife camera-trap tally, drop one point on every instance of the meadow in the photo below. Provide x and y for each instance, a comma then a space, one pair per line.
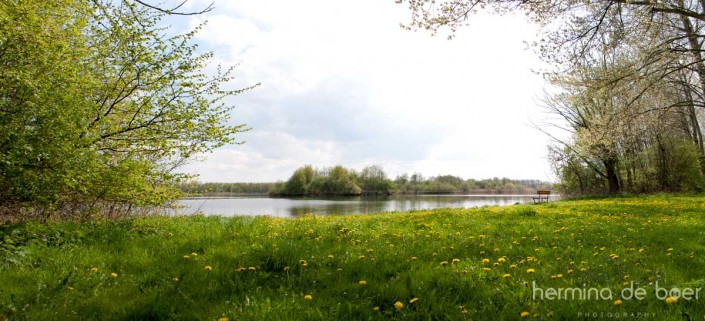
490, 263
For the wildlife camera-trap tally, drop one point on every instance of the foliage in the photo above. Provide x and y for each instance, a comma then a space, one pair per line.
99, 105
263, 268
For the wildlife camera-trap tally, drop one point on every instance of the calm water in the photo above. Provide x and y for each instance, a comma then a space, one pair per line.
294, 207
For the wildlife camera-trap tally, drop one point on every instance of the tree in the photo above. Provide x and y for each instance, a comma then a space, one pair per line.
98, 105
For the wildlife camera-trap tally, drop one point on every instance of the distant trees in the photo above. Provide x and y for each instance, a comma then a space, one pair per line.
372, 180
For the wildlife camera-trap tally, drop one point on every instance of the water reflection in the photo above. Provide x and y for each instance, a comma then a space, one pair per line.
295, 207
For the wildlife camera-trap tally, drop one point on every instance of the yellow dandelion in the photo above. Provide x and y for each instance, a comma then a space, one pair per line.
330, 256
570, 271
444, 263
113, 275
618, 302
530, 271
286, 268
223, 319
506, 275
513, 266
208, 267
671, 300
413, 300
252, 268
502, 260
175, 279
485, 260
308, 297
486, 269
398, 305
194, 254
339, 270
302, 262
240, 269
524, 314
361, 257
375, 309
456, 261
641, 250
413, 258
362, 282
495, 264
583, 269
94, 270
186, 257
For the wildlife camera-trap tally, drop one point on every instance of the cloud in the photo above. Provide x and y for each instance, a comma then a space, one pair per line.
343, 84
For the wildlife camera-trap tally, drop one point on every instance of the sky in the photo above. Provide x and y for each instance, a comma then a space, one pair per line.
343, 84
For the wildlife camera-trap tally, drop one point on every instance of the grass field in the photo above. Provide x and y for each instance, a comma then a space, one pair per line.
493, 263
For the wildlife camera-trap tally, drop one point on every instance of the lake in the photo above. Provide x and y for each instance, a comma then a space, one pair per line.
295, 207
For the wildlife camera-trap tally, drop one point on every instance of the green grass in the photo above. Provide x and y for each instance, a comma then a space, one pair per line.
263, 268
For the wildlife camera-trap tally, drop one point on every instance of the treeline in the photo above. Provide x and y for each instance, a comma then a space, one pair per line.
194, 188
372, 180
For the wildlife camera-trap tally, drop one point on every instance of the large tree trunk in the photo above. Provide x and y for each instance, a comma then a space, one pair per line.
611, 175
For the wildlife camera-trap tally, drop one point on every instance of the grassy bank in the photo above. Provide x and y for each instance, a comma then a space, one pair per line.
481, 264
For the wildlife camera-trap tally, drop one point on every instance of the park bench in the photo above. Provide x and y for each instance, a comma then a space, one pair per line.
541, 196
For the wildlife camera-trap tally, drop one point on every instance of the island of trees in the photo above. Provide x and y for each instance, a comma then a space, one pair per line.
371, 180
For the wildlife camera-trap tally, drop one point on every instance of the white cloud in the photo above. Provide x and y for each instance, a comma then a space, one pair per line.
343, 84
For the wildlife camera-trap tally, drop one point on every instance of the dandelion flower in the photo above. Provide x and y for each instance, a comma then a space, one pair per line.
362, 282
308, 297
502, 260
223, 319
398, 305
524, 314
194, 254
94, 270
444, 263
618, 302
113, 275
513, 266
456, 261
413, 258
361, 257
485, 261
671, 300
506, 275
486, 269
375, 309
330, 256
413, 300
240, 269
530, 271
186, 257
286, 268
175, 279
252, 268
208, 267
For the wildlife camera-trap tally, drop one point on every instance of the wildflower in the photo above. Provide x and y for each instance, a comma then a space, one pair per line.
208, 267
502, 260
375, 309
444, 263
495, 264
186, 257
286, 268
361, 257
614, 256
506, 275
583, 269
486, 269
252, 268
240, 269
485, 261
530, 271
618, 302
223, 319
94, 270
362, 282
413, 258
339, 270
308, 297
513, 266
570, 271
113, 275
175, 279
303, 262
524, 314
671, 300
641, 250
413, 300
330, 256
398, 305
456, 261
194, 254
